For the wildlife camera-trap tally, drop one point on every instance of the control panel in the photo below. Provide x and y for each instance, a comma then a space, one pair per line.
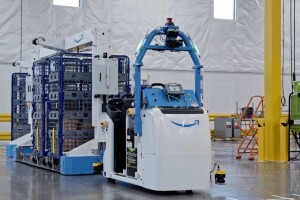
157, 97
174, 89
105, 76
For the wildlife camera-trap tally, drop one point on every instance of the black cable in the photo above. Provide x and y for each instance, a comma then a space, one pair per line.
215, 165
291, 39
21, 45
21, 48
295, 40
293, 67
289, 127
283, 99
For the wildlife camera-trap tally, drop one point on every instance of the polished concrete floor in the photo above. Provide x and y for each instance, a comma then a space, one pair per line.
245, 180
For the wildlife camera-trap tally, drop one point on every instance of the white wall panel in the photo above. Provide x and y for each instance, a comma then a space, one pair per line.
224, 45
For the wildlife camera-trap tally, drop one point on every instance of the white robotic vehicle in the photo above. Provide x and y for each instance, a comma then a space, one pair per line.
160, 138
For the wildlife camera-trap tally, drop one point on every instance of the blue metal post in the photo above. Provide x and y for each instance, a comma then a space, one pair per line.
137, 80
197, 67
43, 108
137, 100
33, 103
11, 107
61, 104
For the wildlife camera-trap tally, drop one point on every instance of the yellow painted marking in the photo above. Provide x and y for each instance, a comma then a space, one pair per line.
37, 138
53, 140
280, 197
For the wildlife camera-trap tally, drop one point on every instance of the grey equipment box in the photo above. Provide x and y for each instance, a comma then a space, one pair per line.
226, 127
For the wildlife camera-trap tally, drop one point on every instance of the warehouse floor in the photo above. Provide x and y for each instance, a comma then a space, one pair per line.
245, 180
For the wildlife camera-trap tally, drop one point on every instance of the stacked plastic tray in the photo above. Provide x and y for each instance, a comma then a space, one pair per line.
69, 102
62, 102
19, 112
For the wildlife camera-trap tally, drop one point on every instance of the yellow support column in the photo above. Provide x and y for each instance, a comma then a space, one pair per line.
272, 80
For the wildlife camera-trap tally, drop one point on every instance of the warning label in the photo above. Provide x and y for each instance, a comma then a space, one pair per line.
131, 161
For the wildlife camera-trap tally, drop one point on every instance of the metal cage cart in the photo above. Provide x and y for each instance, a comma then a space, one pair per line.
70, 102
19, 112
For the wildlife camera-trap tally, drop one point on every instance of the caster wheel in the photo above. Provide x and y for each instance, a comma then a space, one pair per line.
49, 164
238, 156
110, 180
56, 161
34, 160
189, 192
251, 158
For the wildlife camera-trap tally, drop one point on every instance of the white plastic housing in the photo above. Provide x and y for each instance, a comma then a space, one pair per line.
174, 157
170, 157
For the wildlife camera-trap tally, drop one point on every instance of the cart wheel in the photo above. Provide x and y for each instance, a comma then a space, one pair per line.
238, 156
44, 161
189, 192
34, 160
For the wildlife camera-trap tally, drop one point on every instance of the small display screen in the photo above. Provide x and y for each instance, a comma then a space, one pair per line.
174, 88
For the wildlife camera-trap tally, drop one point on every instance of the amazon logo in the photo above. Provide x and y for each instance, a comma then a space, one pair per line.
195, 123
79, 39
